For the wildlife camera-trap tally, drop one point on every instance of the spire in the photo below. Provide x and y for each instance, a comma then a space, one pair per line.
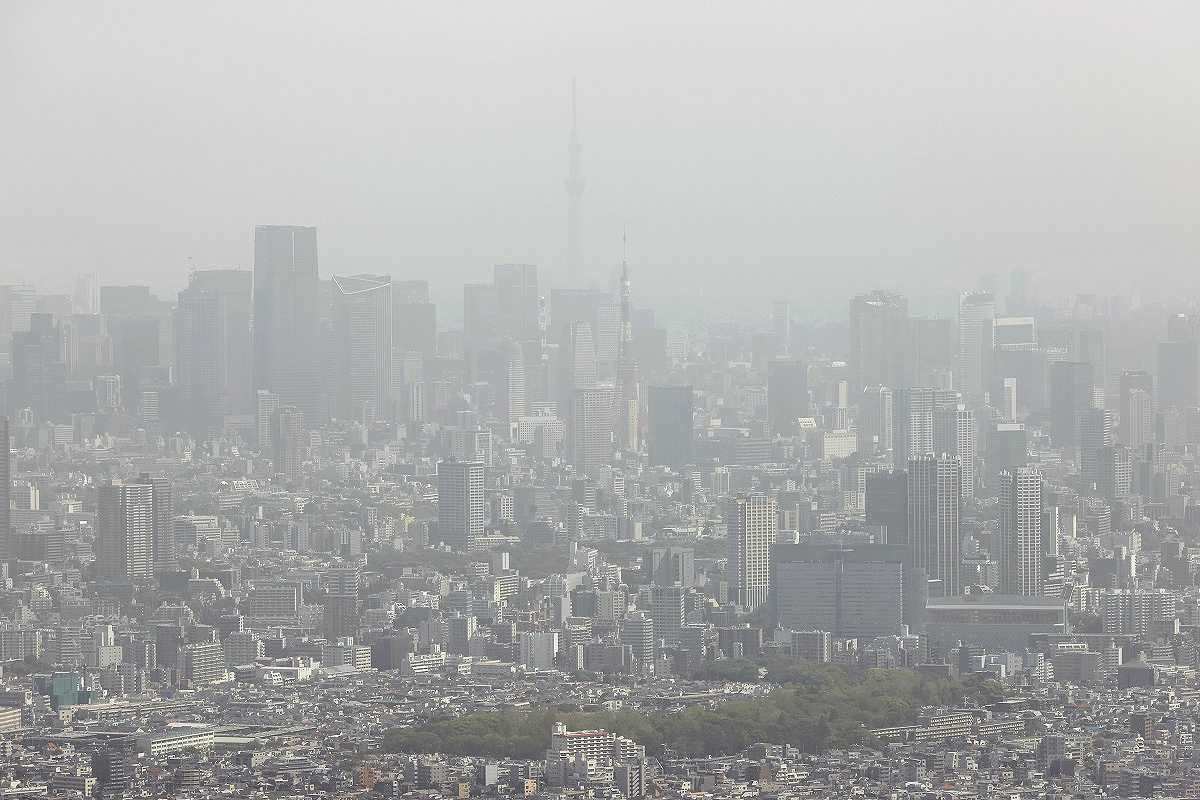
574, 186
628, 393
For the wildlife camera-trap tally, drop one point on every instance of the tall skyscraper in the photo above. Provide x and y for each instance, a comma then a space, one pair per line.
363, 326
1178, 371
162, 530
1095, 434
637, 633
38, 372
287, 441
1136, 408
669, 432
976, 315
934, 492
517, 307
125, 532
934, 345
514, 401
787, 395
955, 433
781, 326
414, 319
265, 405
6, 553
577, 356
913, 421
879, 341
593, 415
1021, 552
481, 316
668, 610
751, 527
213, 347
286, 320
876, 415
461, 506
1070, 396
887, 506
574, 185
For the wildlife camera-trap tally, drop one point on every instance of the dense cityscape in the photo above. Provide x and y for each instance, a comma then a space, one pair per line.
285, 535
836, 438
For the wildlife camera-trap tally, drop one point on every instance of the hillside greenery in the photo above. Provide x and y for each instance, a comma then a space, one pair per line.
816, 707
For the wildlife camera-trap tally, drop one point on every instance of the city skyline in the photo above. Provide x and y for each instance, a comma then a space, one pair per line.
945, 198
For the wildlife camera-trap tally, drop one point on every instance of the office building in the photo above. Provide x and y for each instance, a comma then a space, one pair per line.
1021, 555
1095, 434
913, 421
480, 316
637, 633
1136, 408
886, 498
286, 320
751, 527
669, 426
1071, 391
414, 319
39, 374
363, 328
934, 345
879, 341
876, 415
787, 395
668, 610
855, 591
1178, 373
593, 415
934, 494
671, 566
955, 433
976, 315
514, 389
461, 503
517, 301
213, 354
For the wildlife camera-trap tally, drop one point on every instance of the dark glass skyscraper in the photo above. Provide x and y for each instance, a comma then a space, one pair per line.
787, 395
1070, 395
285, 315
879, 341
669, 429
212, 347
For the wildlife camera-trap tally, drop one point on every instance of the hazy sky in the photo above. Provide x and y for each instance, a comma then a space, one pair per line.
752, 150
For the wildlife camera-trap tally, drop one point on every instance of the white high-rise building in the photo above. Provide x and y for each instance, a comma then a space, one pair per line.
913, 421
1021, 549
976, 316
593, 415
462, 509
875, 423
934, 492
955, 433
125, 532
266, 404
514, 402
752, 525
